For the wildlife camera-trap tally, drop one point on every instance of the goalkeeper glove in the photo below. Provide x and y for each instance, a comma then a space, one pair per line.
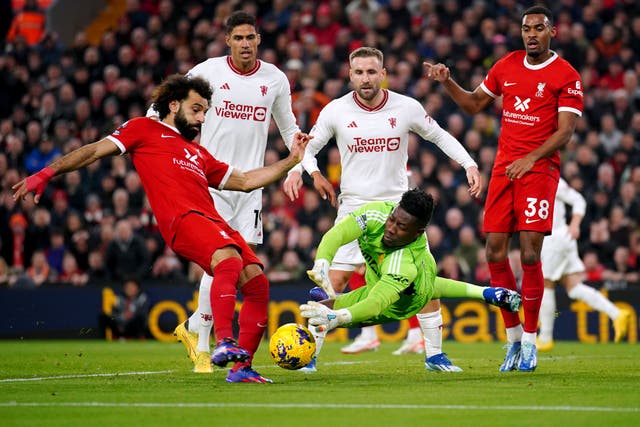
320, 276
321, 315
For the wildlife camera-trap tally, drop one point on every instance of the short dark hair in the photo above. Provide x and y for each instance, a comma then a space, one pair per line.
539, 10
419, 204
240, 18
176, 87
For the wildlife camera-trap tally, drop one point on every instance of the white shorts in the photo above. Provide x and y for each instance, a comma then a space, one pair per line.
560, 257
348, 256
242, 211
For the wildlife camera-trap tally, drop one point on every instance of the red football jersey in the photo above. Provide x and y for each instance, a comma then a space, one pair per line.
175, 172
532, 97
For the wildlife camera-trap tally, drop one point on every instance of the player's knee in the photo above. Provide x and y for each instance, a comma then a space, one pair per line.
256, 289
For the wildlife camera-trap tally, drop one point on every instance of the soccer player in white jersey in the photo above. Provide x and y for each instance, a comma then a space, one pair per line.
561, 263
371, 126
247, 92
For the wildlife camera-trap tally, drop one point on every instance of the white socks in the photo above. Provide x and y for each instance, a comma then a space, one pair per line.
547, 314
369, 333
431, 325
514, 334
201, 321
414, 335
595, 299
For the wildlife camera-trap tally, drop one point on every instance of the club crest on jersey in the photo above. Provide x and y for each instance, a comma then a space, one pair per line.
540, 92
263, 90
392, 122
122, 126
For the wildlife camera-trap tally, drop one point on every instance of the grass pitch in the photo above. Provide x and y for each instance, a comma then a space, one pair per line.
95, 383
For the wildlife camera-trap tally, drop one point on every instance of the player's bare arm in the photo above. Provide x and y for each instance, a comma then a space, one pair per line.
76, 159
257, 178
566, 126
470, 102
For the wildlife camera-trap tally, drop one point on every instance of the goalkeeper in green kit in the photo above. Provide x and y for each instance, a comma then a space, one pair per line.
400, 271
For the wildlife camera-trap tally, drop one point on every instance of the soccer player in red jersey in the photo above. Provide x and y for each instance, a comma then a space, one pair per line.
176, 173
542, 100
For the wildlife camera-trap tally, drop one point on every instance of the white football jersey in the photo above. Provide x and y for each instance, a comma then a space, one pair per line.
237, 123
373, 144
565, 195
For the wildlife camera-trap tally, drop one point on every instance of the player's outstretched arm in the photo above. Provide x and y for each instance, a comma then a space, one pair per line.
470, 102
76, 159
257, 178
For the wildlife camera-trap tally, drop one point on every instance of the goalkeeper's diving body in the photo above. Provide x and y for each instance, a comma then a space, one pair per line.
400, 270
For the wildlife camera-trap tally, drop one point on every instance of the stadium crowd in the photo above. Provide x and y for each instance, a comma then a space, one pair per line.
94, 226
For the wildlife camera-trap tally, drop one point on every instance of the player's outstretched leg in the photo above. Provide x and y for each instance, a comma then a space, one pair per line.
504, 298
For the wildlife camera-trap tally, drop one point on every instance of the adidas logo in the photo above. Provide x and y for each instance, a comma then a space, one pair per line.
352, 125
225, 86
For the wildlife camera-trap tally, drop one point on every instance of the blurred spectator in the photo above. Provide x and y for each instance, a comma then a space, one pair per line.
40, 272
29, 23
71, 274
56, 250
18, 227
7, 277
97, 271
130, 312
289, 268
127, 255
168, 267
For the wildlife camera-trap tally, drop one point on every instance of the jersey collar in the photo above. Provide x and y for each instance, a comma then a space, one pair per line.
385, 98
552, 58
248, 73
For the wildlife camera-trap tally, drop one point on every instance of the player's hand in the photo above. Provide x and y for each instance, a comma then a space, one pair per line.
36, 183
292, 185
475, 181
319, 274
438, 72
324, 188
517, 169
299, 144
319, 314
574, 230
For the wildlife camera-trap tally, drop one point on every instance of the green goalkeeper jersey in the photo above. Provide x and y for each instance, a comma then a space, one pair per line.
399, 281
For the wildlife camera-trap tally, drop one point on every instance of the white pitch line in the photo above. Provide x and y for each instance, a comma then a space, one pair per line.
61, 377
322, 406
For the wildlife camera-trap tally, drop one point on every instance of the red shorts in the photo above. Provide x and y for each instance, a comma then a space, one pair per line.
524, 204
196, 237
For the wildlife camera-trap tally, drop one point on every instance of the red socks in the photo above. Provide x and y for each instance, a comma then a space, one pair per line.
414, 322
502, 276
532, 290
223, 296
253, 314
356, 281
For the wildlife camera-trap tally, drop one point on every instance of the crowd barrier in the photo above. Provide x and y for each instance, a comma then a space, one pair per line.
68, 312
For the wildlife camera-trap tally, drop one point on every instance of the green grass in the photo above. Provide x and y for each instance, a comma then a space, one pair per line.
95, 383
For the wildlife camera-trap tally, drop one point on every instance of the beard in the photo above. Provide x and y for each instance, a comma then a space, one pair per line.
189, 131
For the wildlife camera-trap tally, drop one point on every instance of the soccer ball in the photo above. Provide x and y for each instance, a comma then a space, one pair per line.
292, 346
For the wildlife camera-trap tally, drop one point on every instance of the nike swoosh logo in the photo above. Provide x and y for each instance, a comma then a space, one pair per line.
166, 136
530, 299
509, 84
531, 221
